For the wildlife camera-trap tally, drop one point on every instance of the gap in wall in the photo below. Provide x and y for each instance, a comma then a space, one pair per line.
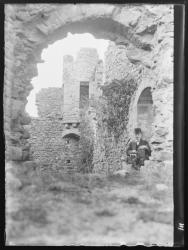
50, 72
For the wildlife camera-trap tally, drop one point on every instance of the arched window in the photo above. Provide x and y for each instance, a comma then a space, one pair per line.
145, 112
69, 136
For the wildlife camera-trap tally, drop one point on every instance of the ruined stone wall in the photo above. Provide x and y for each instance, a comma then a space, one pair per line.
46, 139
108, 155
49, 102
117, 64
85, 64
158, 74
51, 136
50, 148
151, 68
74, 72
16, 89
46, 130
70, 91
145, 30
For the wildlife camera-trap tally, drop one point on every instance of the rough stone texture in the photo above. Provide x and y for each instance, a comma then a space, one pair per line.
46, 140
55, 133
82, 70
49, 147
117, 64
146, 31
151, 67
49, 102
108, 154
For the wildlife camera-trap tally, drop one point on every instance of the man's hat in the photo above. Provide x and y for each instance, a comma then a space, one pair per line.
137, 131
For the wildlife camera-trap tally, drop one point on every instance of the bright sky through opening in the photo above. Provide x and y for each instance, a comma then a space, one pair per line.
50, 72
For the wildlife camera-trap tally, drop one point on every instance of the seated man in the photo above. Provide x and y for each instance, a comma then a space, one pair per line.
138, 150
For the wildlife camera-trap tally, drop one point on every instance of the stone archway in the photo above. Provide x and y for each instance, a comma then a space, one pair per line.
145, 112
71, 152
30, 28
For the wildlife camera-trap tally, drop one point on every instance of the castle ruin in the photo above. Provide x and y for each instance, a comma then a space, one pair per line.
55, 134
141, 48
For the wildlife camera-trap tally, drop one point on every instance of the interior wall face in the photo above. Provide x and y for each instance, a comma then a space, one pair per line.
47, 143
145, 113
151, 68
146, 33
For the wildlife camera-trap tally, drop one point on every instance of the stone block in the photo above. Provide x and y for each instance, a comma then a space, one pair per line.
17, 108
168, 164
162, 156
12, 182
14, 153
162, 131
26, 146
26, 134
165, 156
14, 137
17, 128
128, 17
161, 187
25, 155
29, 165
25, 120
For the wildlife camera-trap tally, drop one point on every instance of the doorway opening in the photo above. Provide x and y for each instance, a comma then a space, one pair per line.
145, 112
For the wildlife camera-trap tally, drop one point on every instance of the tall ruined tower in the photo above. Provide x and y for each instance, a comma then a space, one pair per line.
80, 78
55, 133
78, 81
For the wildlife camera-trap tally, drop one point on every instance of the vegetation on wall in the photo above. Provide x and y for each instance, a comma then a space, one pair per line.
114, 110
111, 111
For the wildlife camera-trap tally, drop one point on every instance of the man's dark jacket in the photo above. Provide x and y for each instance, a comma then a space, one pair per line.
133, 146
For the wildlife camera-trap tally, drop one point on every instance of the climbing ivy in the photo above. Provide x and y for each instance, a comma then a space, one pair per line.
111, 110
115, 108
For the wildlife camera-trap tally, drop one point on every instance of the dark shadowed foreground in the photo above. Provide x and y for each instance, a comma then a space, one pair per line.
90, 210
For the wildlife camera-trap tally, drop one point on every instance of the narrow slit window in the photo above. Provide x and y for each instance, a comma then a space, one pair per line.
84, 95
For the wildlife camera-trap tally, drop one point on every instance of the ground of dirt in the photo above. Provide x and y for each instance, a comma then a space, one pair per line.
91, 209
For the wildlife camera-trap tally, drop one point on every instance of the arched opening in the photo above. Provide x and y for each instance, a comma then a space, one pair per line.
69, 136
30, 29
70, 154
145, 112
58, 91
46, 97
32, 35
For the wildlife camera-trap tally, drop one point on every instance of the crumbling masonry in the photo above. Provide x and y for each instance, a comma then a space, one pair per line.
55, 133
142, 45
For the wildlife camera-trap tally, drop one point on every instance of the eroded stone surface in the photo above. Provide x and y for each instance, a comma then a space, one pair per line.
144, 49
29, 28
59, 112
